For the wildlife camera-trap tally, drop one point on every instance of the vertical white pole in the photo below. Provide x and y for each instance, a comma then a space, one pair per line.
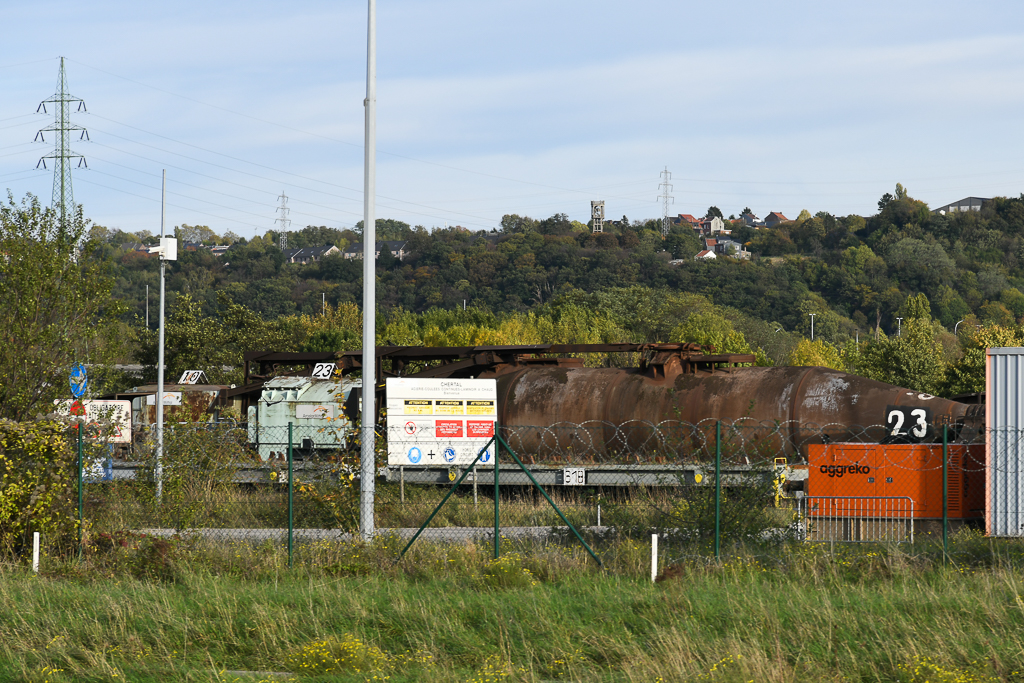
160, 358
599, 515
35, 552
367, 468
654, 557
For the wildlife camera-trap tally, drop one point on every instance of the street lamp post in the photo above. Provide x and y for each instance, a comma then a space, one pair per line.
812, 324
957, 325
168, 251
899, 327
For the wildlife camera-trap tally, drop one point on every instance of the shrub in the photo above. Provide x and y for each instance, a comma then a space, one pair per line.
37, 485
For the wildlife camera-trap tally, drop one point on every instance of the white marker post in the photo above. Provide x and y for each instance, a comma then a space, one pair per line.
654, 557
35, 552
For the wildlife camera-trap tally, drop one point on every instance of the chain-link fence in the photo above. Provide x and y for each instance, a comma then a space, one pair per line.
705, 490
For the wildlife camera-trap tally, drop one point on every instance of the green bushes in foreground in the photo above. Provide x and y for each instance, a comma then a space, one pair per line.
176, 610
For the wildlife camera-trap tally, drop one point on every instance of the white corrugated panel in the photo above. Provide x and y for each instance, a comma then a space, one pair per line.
1004, 400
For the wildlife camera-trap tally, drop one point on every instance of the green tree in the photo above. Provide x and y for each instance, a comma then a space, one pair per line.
914, 359
711, 330
714, 211
916, 307
817, 353
56, 301
967, 374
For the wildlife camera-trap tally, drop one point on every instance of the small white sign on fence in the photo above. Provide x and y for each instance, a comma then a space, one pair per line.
574, 476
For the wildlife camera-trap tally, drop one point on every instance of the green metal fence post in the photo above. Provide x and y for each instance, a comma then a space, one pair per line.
497, 496
455, 486
718, 489
81, 479
945, 493
291, 491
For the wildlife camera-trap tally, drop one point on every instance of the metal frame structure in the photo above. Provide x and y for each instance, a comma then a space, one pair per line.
471, 361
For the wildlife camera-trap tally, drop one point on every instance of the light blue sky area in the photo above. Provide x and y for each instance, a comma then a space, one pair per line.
488, 108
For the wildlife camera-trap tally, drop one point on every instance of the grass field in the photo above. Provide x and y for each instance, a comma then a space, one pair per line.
157, 611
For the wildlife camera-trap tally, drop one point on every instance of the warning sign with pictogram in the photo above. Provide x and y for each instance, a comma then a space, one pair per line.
427, 420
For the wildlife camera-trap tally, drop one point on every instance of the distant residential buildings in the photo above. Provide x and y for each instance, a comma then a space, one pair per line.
686, 218
713, 226
396, 247
309, 254
752, 221
721, 246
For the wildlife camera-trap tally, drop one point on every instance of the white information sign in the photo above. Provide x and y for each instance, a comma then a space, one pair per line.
118, 414
171, 398
440, 421
574, 476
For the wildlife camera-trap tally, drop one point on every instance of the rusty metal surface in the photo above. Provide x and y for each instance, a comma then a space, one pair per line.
832, 401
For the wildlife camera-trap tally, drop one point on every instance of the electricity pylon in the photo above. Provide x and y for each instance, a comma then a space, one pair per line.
63, 197
666, 199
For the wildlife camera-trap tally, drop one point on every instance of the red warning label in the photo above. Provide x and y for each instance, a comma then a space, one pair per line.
448, 429
479, 428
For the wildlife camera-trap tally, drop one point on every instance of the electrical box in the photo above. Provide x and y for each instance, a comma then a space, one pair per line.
169, 248
857, 472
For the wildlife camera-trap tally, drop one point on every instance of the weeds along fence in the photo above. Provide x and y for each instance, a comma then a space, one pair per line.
595, 489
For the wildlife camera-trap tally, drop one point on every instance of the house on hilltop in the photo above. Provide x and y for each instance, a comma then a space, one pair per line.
686, 218
752, 221
726, 247
965, 204
774, 218
713, 226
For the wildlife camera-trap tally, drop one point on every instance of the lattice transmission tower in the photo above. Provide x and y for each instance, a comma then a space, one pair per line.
63, 198
666, 199
283, 219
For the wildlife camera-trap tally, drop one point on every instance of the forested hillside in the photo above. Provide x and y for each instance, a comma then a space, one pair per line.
899, 282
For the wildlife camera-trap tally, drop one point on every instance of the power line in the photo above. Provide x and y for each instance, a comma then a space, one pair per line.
277, 170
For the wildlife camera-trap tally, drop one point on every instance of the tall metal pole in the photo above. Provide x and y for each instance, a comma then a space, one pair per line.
160, 358
367, 465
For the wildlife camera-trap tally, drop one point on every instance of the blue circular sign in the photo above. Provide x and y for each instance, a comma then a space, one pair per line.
79, 380
485, 456
415, 455
449, 454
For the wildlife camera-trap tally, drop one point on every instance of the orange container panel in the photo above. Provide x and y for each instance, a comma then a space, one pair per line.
853, 470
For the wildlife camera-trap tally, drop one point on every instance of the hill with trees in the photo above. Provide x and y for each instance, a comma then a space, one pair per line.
906, 295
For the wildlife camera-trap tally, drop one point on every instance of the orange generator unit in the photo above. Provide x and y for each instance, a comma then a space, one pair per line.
850, 474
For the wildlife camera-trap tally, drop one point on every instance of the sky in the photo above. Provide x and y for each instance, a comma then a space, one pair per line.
526, 107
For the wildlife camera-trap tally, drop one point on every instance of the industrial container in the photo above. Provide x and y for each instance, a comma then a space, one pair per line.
850, 475
1004, 389
315, 409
